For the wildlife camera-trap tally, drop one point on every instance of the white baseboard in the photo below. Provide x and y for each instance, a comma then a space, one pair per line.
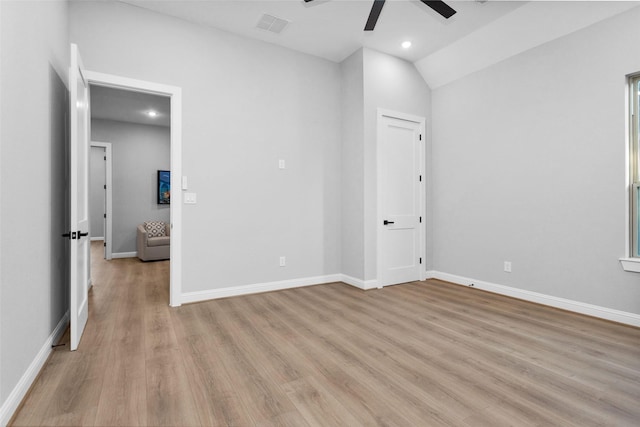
93, 239
124, 254
563, 303
20, 390
232, 291
359, 283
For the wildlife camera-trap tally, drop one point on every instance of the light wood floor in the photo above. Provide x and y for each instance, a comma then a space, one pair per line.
420, 354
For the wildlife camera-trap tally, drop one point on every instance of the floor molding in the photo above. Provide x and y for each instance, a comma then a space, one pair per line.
190, 297
557, 302
124, 254
359, 283
20, 390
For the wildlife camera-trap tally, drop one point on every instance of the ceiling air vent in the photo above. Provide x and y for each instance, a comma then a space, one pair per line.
272, 23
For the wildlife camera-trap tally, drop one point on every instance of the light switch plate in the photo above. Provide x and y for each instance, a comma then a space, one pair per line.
281, 164
190, 198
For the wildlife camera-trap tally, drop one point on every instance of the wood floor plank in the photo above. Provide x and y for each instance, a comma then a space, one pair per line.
169, 398
123, 398
317, 405
263, 397
215, 392
422, 353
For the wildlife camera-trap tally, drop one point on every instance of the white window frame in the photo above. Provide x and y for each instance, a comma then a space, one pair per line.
632, 261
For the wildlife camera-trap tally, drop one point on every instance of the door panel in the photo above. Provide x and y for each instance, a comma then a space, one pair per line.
79, 200
400, 188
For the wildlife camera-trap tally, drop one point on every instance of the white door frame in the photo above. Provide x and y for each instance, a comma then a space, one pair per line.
175, 94
379, 217
108, 227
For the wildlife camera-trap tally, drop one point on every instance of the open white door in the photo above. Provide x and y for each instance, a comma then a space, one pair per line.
79, 183
400, 199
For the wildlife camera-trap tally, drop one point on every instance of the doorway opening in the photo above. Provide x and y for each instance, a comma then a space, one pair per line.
101, 196
123, 113
137, 126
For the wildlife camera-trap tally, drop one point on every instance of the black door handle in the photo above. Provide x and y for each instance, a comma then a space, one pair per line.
388, 222
73, 235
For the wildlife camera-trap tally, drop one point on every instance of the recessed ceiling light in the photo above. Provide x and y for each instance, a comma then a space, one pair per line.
406, 44
152, 113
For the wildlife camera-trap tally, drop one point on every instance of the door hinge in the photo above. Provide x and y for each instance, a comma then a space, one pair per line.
105, 215
420, 178
420, 219
104, 244
105, 186
420, 137
105, 158
420, 260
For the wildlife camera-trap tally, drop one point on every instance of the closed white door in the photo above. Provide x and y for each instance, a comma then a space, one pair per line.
79, 183
400, 192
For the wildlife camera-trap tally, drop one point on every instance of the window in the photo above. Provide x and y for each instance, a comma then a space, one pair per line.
632, 262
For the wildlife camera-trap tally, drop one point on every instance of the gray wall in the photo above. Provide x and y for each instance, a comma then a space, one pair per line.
138, 152
352, 166
97, 181
371, 80
529, 167
246, 104
393, 84
34, 53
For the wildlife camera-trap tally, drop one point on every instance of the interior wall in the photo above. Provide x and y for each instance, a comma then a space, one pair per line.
97, 181
371, 80
138, 152
352, 161
393, 84
32, 181
529, 167
246, 105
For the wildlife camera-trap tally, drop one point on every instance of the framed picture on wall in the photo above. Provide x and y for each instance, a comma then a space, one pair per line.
164, 187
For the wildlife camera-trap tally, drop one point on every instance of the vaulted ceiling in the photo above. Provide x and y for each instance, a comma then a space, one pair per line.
477, 36
333, 29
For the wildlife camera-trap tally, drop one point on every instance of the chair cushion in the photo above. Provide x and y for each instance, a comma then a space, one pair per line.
159, 241
154, 228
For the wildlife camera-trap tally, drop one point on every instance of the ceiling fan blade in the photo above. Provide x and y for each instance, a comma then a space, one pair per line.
373, 16
441, 7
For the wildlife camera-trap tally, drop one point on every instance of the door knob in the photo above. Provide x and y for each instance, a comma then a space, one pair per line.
388, 222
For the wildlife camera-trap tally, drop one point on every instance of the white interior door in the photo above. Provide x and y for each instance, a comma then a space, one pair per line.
79, 183
400, 189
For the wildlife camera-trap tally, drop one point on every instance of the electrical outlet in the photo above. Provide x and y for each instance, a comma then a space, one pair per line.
283, 261
507, 266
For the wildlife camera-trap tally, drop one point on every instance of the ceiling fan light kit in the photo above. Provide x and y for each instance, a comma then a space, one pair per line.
439, 6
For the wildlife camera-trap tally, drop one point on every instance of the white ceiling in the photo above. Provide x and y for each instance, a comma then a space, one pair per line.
478, 35
333, 29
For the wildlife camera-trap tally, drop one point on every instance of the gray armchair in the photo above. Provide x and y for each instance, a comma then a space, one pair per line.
153, 248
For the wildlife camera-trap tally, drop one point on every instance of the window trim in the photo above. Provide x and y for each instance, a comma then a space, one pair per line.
632, 261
